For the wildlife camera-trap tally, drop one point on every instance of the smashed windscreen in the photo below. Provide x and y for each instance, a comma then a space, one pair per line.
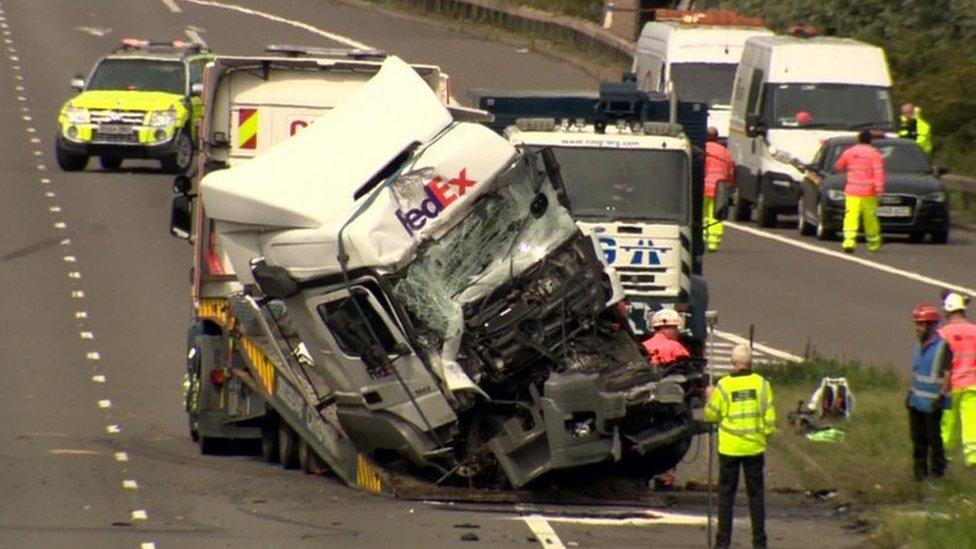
495, 242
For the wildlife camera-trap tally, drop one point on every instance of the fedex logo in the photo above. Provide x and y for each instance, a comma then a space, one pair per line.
440, 195
641, 253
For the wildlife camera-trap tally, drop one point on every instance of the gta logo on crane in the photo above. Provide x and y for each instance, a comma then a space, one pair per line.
441, 193
643, 252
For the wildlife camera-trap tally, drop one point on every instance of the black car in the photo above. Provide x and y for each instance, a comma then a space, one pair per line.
914, 202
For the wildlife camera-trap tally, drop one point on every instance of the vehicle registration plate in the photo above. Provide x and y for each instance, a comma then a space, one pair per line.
894, 211
115, 129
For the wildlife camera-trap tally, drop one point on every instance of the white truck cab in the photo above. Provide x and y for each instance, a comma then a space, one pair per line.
632, 191
790, 94
698, 53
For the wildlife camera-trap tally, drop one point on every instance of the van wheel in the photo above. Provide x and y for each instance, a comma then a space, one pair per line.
764, 216
805, 228
740, 208
213, 446
287, 446
67, 161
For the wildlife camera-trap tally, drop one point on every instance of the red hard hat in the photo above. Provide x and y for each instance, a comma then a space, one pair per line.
925, 313
803, 118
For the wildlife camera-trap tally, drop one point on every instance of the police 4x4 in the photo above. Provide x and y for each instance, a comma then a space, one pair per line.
141, 101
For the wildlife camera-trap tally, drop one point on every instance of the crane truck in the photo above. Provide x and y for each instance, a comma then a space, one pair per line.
405, 298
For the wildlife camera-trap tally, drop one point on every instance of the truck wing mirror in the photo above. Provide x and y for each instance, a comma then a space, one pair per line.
196, 89
754, 125
722, 197
78, 82
180, 216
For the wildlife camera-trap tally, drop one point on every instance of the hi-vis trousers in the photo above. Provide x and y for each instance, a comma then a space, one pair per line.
714, 229
958, 420
856, 208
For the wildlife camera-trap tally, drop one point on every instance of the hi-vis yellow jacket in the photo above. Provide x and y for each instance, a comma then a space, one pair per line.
742, 405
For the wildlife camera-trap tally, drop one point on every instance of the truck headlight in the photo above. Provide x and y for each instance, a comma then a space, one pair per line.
77, 115
835, 195
161, 119
937, 196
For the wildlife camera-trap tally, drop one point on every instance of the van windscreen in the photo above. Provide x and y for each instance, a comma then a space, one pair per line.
704, 82
829, 106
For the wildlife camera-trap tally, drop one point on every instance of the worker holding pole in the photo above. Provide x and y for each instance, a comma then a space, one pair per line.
741, 403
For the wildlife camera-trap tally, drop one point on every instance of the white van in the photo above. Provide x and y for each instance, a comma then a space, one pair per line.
791, 93
698, 52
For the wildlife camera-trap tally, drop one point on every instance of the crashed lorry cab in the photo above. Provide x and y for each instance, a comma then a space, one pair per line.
631, 179
454, 321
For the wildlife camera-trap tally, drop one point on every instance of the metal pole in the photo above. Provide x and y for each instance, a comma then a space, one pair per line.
712, 320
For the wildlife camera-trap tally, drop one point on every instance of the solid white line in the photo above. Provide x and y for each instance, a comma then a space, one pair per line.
171, 5
193, 34
543, 532
760, 347
854, 259
653, 519
297, 24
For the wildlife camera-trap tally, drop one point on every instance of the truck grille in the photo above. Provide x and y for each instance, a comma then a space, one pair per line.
100, 137
640, 280
118, 117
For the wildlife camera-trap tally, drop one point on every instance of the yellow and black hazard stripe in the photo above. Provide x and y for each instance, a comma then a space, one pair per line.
247, 128
261, 363
366, 476
217, 310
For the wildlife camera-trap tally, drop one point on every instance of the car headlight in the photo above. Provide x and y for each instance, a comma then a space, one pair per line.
77, 115
835, 195
937, 196
161, 119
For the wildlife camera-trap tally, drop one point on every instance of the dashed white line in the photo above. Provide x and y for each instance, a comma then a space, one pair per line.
70, 259
130, 484
54, 209
854, 259
113, 429
74, 275
49, 194
78, 294
147, 545
31, 130
121, 457
45, 181
41, 167
26, 118
104, 404
81, 314
297, 24
543, 532
98, 379
66, 242
93, 356
782, 355
140, 514
86, 335
60, 225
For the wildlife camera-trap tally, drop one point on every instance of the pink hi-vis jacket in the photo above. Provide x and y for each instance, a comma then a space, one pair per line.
865, 170
662, 350
718, 167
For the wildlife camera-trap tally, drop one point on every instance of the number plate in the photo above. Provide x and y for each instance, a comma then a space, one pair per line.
894, 211
114, 129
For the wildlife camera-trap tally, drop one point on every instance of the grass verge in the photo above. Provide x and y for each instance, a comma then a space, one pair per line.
873, 465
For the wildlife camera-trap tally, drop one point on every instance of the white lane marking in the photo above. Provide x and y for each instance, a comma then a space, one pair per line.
121, 457
104, 403
70, 259
147, 545
193, 33
98, 379
66, 242
45, 181
49, 194
171, 6
74, 274
78, 294
543, 532
35, 140
783, 355
297, 24
81, 314
31, 130
93, 356
140, 514
72, 452
854, 259
41, 167
26, 118
86, 335
130, 484
60, 225
652, 519
113, 429
94, 31
54, 209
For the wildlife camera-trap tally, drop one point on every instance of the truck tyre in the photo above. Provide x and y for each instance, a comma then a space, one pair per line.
804, 227
287, 446
212, 446
666, 458
740, 208
308, 460
182, 157
764, 216
67, 161
269, 441
823, 233
110, 162
194, 434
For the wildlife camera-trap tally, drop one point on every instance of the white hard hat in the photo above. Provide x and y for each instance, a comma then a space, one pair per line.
954, 302
742, 354
667, 317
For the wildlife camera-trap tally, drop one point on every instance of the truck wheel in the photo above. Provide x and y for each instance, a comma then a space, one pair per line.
306, 457
805, 228
110, 162
182, 157
269, 442
764, 216
823, 233
212, 446
740, 208
194, 433
940, 237
666, 458
67, 161
287, 446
